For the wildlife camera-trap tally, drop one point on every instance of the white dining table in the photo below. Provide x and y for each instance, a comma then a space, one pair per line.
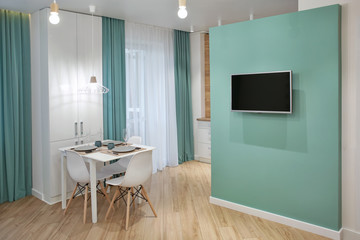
92, 159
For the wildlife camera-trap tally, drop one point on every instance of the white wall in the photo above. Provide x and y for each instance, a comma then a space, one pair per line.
350, 111
197, 82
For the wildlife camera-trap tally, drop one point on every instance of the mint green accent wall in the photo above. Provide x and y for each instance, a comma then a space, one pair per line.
289, 165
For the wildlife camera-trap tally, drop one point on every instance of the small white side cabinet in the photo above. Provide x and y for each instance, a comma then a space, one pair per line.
61, 64
204, 141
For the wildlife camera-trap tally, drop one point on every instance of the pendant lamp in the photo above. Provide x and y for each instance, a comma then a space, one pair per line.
54, 13
182, 13
93, 87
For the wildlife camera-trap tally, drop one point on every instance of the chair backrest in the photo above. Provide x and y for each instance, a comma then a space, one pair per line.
76, 167
135, 140
139, 169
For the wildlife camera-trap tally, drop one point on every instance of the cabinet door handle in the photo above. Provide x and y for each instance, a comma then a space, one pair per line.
76, 129
82, 128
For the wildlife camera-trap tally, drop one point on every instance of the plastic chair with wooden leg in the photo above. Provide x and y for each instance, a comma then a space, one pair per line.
78, 172
138, 172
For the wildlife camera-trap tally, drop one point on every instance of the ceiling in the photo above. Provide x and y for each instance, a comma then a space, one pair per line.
202, 14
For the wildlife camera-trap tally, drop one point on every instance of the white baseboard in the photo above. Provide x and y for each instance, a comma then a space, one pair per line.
348, 234
278, 218
37, 194
53, 200
205, 160
48, 200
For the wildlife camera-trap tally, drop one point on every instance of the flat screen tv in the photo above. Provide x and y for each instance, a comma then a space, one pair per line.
266, 92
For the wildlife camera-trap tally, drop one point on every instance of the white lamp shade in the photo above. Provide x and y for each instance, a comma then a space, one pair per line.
93, 79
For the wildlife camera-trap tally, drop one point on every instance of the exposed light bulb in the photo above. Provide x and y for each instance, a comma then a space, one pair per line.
54, 18
182, 13
54, 13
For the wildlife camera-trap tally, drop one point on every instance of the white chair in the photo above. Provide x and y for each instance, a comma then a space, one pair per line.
137, 173
121, 165
79, 172
124, 162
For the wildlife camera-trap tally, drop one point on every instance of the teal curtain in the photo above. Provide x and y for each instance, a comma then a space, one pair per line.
114, 78
183, 96
15, 106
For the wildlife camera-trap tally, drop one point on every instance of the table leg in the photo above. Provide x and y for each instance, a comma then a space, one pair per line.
63, 180
93, 190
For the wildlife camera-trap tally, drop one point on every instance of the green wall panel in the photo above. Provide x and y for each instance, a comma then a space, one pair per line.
284, 164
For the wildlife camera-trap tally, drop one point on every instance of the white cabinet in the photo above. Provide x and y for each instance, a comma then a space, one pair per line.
62, 76
62, 116
203, 145
70, 66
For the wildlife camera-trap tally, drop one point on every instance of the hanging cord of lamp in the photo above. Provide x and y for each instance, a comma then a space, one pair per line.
92, 10
93, 87
182, 13
54, 13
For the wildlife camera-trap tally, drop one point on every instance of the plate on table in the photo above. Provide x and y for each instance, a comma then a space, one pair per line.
85, 148
123, 149
105, 143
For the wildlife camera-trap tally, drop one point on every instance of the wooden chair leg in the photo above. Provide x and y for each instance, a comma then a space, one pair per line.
148, 200
127, 209
140, 199
72, 196
85, 202
104, 192
107, 185
133, 197
117, 192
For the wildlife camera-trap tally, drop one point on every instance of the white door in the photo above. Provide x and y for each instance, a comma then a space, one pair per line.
62, 54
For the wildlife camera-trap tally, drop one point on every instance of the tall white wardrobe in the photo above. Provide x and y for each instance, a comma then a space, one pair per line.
62, 60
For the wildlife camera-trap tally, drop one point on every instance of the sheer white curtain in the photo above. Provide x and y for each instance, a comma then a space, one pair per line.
150, 90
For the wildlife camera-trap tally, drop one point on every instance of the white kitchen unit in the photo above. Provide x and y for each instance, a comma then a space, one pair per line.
61, 64
202, 129
203, 141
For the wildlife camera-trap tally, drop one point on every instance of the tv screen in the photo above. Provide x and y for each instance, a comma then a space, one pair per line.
269, 92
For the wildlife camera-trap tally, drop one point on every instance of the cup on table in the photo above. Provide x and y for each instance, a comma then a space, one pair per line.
98, 143
111, 146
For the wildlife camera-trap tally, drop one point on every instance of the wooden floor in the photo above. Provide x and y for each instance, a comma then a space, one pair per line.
181, 198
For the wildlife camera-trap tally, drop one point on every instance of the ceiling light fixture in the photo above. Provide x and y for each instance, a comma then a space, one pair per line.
182, 13
54, 13
93, 87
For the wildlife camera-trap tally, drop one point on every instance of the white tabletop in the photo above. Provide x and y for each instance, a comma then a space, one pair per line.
103, 157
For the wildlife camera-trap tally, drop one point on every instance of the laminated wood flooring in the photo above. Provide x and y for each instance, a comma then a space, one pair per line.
180, 196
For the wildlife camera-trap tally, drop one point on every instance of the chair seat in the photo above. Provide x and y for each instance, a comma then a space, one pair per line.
115, 181
114, 168
103, 173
